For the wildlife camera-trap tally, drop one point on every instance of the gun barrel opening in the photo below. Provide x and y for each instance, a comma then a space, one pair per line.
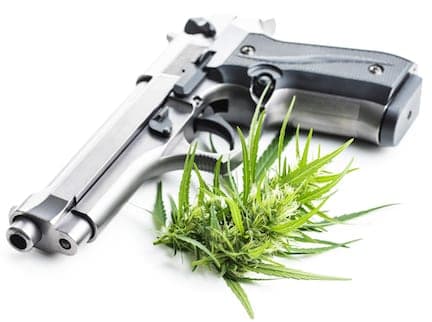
23, 234
18, 241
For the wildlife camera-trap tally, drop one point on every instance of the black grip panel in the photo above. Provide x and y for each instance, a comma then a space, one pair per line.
401, 112
361, 74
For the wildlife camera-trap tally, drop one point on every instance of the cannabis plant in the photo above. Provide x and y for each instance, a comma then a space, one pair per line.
238, 229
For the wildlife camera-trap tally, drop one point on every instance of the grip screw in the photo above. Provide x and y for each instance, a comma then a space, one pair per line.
247, 50
376, 69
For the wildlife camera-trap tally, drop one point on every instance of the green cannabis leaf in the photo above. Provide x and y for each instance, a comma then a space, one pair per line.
159, 213
239, 233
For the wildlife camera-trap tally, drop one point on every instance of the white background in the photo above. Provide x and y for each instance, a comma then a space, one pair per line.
64, 66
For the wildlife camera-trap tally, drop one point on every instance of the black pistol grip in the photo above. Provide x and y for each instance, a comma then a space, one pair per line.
361, 75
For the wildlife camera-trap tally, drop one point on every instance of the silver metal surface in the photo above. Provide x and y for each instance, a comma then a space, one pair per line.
23, 234
150, 156
111, 139
330, 114
56, 209
53, 221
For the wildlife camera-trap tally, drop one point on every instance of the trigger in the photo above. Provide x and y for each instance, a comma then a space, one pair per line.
215, 124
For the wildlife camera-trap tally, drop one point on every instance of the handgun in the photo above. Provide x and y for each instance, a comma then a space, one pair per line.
209, 79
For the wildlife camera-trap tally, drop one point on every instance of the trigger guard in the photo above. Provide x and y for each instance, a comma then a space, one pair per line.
215, 124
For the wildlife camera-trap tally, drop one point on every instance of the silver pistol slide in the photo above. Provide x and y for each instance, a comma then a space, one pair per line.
208, 80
